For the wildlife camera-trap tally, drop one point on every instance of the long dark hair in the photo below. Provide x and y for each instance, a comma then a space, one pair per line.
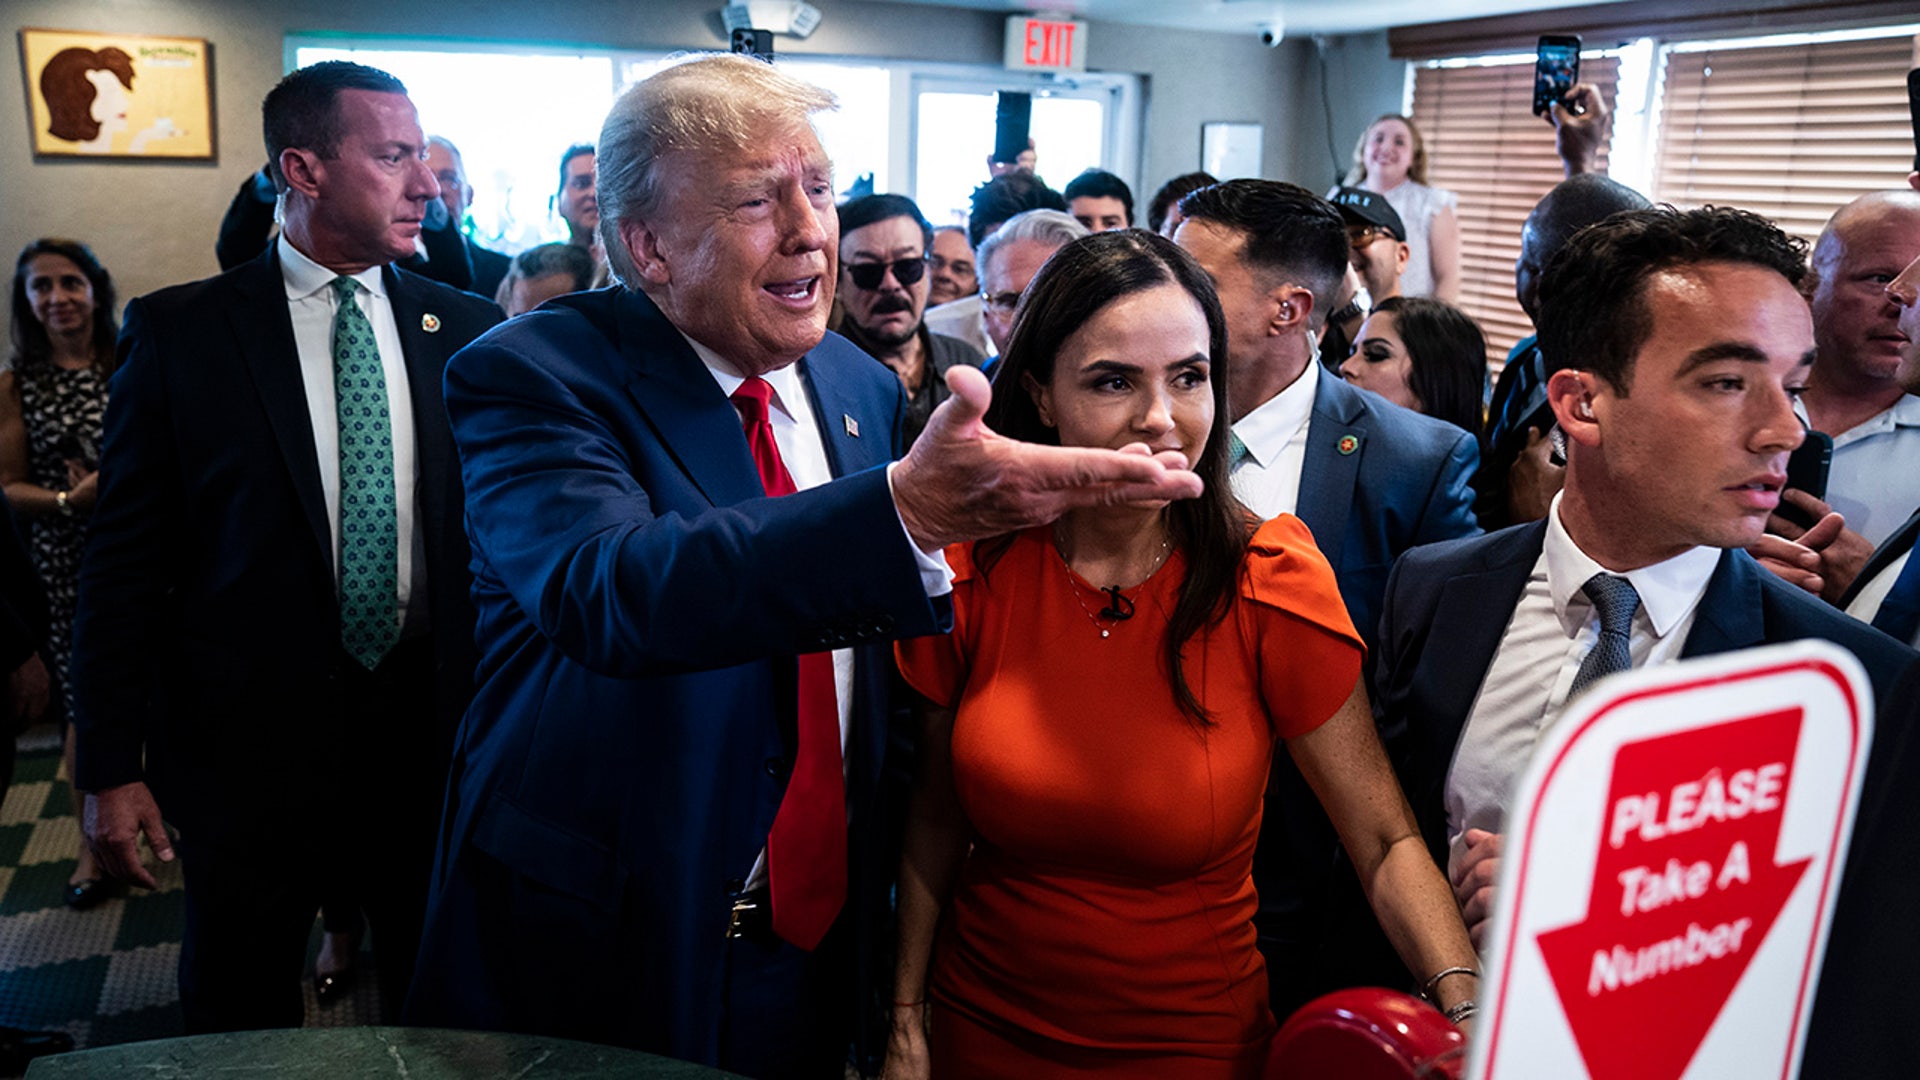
1212, 531
32, 348
1446, 357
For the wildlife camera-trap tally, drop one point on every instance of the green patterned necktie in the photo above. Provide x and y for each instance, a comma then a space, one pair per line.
1236, 450
369, 522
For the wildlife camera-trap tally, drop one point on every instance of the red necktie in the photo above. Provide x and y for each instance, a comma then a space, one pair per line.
807, 849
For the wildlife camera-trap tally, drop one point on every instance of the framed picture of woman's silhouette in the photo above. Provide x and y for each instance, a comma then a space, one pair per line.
112, 95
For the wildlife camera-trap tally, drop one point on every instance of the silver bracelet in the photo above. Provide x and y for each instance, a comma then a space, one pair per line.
1427, 990
1460, 1010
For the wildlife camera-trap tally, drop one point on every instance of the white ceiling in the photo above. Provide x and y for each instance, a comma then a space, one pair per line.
1300, 17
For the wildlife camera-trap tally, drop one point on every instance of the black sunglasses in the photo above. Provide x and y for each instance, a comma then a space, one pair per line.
906, 271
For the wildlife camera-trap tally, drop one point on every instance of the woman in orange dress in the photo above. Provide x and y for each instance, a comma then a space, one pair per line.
1076, 894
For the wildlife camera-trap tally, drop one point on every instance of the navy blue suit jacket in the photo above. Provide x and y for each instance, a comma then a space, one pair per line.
207, 656
1406, 481
1447, 608
640, 604
1884, 556
1403, 480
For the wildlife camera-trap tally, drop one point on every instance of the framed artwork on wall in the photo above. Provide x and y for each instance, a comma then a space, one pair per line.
108, 95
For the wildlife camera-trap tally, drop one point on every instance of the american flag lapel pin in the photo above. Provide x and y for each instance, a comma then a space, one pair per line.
853, 426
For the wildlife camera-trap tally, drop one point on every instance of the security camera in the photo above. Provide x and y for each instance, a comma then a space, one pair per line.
1272, 34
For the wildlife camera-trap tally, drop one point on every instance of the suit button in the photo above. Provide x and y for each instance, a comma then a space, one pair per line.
777, 767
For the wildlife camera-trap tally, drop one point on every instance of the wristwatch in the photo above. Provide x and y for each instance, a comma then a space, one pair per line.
60, 499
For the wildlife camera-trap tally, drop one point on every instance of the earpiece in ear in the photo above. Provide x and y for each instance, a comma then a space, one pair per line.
1586, 410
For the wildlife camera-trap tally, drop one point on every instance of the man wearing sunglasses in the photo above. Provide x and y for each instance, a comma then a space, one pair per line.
1377, 238
1377, 255
884, 241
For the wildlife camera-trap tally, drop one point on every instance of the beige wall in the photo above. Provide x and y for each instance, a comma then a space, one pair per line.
153, 223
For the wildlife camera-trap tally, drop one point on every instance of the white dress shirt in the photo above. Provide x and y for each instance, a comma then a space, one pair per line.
1552, 629
1874, 593
1267, 480
312, 302
1875, 479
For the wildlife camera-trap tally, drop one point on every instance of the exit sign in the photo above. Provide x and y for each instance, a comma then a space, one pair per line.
1035, 43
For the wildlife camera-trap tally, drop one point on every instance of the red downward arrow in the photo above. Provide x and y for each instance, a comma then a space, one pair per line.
1684, 892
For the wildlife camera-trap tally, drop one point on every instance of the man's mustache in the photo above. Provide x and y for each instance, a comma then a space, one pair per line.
892, 302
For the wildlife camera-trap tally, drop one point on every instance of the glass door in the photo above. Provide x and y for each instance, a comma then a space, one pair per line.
1080, 123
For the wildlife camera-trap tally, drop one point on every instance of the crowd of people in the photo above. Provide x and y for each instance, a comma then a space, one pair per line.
780, 634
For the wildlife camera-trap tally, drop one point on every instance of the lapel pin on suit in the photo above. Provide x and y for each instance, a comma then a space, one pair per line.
853, 426
1347, 444
430, 323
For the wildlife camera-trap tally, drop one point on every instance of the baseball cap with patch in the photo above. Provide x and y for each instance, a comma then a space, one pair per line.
1362, 207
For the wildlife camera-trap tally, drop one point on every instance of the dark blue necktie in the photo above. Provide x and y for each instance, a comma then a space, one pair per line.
1899, 613
1616, 600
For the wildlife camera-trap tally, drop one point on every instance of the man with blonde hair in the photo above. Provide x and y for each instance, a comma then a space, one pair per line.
667, 826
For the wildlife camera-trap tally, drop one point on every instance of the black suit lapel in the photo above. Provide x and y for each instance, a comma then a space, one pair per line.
695, 421
264, 329
1883, 556
425, 353
1331, 467
1470, 620
1729, 616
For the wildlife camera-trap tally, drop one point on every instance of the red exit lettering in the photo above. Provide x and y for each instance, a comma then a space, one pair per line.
1049, 44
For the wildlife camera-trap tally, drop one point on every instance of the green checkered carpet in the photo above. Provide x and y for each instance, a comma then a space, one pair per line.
107, 975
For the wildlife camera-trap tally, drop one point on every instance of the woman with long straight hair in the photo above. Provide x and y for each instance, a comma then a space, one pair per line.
1102, 719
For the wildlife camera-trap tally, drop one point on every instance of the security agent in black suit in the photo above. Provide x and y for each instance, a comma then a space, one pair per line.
28, 694
247, 231
274, 638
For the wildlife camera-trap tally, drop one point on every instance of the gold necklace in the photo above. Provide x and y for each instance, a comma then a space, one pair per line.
1119, 607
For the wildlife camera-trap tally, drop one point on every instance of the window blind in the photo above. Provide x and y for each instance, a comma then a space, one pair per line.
1792, 132
1485, 145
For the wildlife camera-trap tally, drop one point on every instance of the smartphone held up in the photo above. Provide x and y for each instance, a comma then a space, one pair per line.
1556, 68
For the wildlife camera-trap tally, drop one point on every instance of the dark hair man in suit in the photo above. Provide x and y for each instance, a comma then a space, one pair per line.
274, 639
1675, 344
1370, 478
665, 828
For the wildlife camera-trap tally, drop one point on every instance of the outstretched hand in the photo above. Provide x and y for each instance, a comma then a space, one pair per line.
961, 481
